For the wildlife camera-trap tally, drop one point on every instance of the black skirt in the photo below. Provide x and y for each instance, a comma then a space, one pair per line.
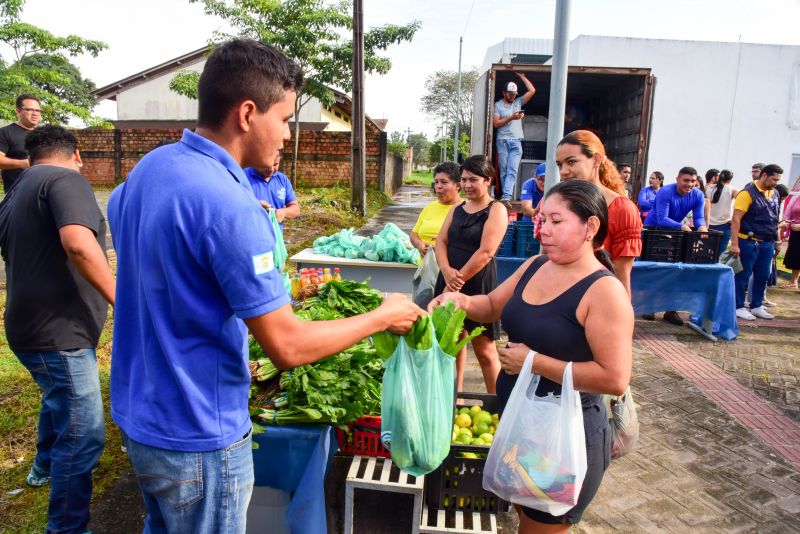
792, 258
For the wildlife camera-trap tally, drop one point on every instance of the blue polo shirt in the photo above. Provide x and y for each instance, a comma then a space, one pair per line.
277, 192
669, 208
194, 258
530, 191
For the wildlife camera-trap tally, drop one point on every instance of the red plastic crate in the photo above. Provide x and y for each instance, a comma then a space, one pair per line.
364, 438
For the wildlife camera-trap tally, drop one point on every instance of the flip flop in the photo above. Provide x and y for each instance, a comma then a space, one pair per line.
788, 286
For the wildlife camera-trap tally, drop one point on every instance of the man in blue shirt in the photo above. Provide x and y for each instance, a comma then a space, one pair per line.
195, 264
532, 193
274, 190
673, 202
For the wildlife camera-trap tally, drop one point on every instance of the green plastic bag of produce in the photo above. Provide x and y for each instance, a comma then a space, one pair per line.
417, 404
279, 254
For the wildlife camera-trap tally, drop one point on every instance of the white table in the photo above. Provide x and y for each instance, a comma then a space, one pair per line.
386, 276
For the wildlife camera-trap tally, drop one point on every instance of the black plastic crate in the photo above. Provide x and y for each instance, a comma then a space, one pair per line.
664, 245
702, 247
506, 247
536, 150
457, 484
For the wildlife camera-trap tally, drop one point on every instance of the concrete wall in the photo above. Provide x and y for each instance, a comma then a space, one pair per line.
721, 105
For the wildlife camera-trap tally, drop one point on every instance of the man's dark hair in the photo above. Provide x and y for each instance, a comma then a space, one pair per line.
27, 96
451, 169
771, 170
711, 173
239, 70
758, 166
688, 170
623, 165
783, 192
48, 141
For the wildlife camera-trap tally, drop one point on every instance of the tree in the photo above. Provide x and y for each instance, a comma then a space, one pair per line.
40, 66
440, 98
396, 145
420, 144
435, 148
314, 33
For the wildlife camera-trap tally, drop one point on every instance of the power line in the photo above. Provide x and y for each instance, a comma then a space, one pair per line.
468, 17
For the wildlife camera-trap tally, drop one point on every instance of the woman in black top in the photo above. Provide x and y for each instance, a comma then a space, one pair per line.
565, 306
465, 250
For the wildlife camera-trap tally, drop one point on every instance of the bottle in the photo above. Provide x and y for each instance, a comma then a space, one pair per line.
326, 275
337, 274
295, 285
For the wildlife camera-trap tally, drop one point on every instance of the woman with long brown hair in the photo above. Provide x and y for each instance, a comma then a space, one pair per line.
581, 155
465, 249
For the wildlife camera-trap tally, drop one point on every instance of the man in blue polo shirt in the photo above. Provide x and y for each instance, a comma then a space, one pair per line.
195, 265
532, 193
274, 190
672, 203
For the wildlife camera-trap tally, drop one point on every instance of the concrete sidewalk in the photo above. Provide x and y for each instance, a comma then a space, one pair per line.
719, 449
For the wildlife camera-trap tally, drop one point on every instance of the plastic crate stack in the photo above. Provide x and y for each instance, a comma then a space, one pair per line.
518, 241
675, 245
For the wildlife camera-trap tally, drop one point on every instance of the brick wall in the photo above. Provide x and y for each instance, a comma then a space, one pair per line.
324, 157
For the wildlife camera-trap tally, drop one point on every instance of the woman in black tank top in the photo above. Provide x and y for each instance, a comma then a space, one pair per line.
567, 307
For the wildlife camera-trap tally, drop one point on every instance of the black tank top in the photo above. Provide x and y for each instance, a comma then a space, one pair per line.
551, 328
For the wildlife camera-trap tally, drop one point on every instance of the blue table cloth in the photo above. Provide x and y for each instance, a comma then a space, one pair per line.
704, 290
295, 459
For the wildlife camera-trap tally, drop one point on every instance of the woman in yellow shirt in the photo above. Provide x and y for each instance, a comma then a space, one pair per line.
447, 184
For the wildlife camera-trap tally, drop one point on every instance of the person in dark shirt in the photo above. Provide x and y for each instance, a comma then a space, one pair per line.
13, 156
59, 286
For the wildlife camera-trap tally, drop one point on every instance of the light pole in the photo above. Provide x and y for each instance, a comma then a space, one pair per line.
458, 99
558, 90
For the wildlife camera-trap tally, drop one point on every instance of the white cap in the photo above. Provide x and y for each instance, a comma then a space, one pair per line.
511, 87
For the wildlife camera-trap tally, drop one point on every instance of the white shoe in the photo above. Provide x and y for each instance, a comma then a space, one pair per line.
761, 313
742, 313
767, 303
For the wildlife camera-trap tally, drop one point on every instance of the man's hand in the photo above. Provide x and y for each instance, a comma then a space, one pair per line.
400, 312
280, 215
685, 228
702, 229
517, 116
778, 246
734, 249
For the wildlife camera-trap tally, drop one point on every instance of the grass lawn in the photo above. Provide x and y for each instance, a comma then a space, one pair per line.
324, 211
419, 178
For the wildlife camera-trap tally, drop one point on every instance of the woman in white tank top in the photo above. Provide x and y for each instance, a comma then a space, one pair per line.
720, 197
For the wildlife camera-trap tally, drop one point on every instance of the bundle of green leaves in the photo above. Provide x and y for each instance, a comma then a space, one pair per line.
447, 322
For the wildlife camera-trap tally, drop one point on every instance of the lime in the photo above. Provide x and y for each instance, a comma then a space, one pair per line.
470, 455
465, 436
482, 417
478, 442
463, 420
475, 409
488, 438
464, 409
495, 418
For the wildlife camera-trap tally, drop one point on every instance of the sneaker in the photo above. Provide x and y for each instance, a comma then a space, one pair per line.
743, 313
761, 313
649, 316
768, 303
35, 480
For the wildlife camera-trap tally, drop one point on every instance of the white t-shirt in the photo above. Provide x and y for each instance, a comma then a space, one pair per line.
722, 211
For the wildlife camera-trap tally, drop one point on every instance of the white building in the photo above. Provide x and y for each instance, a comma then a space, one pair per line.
717, 105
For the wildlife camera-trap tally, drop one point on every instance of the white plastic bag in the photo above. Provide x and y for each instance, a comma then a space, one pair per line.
424, 281
538, 456
624, 423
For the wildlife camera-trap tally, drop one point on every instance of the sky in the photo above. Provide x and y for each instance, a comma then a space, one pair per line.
146, 33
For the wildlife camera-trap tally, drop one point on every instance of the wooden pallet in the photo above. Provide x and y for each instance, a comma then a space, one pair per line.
375, 475
459, 528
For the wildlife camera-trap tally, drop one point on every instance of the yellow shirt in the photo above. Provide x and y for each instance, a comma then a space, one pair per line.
744, 201
430, 221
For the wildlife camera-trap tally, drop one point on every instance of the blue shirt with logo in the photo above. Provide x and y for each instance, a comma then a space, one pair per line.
530, 191
670, 207
277, 192
194, 258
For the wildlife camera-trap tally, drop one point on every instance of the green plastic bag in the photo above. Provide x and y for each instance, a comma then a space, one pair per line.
279, 253
417, 404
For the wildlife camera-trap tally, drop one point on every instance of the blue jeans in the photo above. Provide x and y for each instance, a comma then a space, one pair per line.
187, 492
726, 236
756, 259
71, 432
509, 154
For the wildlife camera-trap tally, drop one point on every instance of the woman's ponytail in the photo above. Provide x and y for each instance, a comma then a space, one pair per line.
603, 257
610, 177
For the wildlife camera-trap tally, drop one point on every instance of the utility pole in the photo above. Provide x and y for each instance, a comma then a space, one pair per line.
458, 99
358, 186
558, 90
408, 133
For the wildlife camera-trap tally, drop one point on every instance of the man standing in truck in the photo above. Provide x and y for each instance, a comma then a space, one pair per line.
508, 121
